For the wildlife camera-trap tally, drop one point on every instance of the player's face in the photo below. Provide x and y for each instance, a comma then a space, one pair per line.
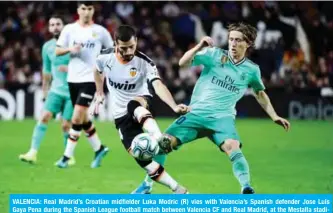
237, 44
86, 13
126, 49
55, 26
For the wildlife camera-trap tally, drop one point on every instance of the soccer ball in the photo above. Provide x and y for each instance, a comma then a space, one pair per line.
144, 147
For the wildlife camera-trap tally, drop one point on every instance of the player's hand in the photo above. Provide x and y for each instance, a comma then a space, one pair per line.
97, 102
206, 41
75, 49
181, 109
282, 122
63, 68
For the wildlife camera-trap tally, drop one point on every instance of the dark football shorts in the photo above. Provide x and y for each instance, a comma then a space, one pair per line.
82, 93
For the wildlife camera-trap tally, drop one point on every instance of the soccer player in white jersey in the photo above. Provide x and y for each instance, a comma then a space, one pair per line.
128, 73
83, 40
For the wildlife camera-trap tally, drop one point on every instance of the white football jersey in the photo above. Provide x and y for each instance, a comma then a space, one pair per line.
92, 38
126, 81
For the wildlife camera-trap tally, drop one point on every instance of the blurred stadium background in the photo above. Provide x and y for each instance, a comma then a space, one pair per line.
294, 50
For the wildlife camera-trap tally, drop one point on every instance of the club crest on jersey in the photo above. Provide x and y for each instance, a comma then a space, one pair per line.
242, 76
94, 34
133, 71
224, 59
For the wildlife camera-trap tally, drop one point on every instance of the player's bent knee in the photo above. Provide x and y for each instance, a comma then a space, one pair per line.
76, 120
142, 101
140, 113
46, 117
230, 145
132, 105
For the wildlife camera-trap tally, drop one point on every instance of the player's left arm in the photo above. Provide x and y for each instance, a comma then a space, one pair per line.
162, 91
266, 104
265, 101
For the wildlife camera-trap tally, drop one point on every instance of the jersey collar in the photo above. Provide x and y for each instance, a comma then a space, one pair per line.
238, 63
88, 25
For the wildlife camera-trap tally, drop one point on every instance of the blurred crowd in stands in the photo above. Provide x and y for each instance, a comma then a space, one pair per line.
294, 48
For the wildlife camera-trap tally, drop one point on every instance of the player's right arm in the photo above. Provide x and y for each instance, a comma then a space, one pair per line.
63, 43
99, 82
46, 72
99, 77
188, 57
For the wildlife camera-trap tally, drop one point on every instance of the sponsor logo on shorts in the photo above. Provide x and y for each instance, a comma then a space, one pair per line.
84, 95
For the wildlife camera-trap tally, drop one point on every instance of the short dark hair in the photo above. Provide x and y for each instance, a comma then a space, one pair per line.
124, 33
57, 16
87, 3
249, 32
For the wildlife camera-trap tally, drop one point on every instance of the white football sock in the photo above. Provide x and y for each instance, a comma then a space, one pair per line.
71, 144
164, 178
70, 147
95, 142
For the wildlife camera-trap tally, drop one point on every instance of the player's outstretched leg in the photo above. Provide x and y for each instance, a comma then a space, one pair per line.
158, 174
99, 149
37, 137
240, 165
167, 142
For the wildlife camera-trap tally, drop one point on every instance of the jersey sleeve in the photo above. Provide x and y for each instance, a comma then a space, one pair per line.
63, 40
152, 71
46, 60
99, 63
256, 82
203, 57
107, 41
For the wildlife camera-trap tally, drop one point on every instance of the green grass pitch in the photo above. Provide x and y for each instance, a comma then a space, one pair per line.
300, 161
